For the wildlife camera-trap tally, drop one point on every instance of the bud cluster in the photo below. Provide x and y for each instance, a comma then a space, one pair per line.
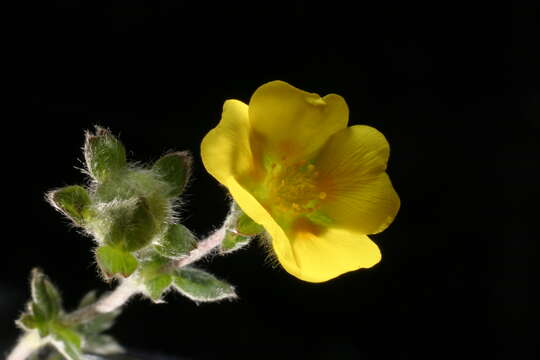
128, 209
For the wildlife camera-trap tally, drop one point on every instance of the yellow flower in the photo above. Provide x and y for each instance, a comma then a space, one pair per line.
317, 186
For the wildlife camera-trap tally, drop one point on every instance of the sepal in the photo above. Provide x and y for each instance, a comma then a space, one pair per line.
175, 170
233, 242
73, 201
104, 154
246, 226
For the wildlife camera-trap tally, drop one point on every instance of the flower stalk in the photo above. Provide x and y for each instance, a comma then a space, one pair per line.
26, 345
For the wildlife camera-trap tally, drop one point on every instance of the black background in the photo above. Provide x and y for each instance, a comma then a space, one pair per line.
454, 89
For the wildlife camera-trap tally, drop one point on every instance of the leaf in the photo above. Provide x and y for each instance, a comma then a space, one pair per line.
246, 226
73, 201
67, 342
201, 286
155, 278
46, 298
99, 324
157, 286
102, 345
105, 156
174, 169
113, 261
233, 242
176, 242
88, 299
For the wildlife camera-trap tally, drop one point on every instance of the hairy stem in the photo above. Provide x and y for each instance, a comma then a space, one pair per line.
31, 341
26, 345
107, 303
203, 248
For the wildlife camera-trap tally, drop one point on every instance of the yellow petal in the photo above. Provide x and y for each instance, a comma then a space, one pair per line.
225, 150
359, 194
292, 123
323, 255
260, 215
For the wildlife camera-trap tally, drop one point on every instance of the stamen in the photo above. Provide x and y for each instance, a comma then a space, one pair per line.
293, 188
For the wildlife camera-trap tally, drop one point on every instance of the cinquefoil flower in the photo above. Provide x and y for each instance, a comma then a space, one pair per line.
317, 186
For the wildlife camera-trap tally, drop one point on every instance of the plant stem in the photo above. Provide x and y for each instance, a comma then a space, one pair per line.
26, 345
107, 303
31, 341
128, 287
203, 248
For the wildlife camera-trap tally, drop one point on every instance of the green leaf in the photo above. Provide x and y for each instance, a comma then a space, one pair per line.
67, 342
105, 156
157, 286
101, 322
73, 201
88, 299
233, 242
113, 261
176, 242
46, 298
201, 286
102, 345
246, 226
155, 277
174, 169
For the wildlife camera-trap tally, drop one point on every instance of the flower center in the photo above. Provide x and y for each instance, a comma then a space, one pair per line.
294, 188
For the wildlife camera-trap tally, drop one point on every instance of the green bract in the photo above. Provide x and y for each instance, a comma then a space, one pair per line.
233, 242
242, 230
247, 227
